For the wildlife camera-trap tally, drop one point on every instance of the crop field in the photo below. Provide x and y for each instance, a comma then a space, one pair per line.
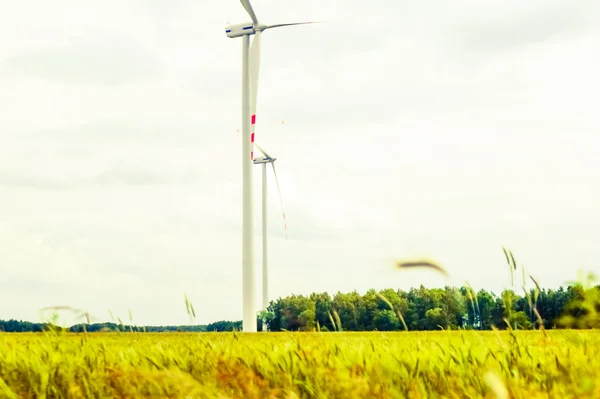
449, 364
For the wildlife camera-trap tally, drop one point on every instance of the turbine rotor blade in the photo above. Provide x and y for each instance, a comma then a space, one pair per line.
293, 23
254, 70
263, 151
280, 199
260, 149
249, 10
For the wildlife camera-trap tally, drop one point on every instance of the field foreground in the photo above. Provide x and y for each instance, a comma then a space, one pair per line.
449, 364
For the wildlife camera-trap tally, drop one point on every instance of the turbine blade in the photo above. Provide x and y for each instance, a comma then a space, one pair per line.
260, 149
249, 10
294, 23
254, 67
280, 199
254, 70
263, 151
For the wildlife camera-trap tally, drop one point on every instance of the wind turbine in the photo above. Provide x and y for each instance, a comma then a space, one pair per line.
250, 69
264, 160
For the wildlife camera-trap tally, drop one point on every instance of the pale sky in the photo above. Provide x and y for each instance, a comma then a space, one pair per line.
444, 129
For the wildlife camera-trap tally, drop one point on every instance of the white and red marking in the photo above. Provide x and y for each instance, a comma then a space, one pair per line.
253, 121
284, 224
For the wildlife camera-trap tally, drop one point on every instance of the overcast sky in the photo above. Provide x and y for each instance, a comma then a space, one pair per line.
444, 129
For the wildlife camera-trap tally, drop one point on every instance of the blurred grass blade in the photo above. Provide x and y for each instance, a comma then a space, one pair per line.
422, 264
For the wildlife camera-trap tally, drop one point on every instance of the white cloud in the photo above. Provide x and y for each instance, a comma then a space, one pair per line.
445, 132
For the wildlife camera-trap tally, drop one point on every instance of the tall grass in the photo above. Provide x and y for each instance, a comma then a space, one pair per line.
456, 364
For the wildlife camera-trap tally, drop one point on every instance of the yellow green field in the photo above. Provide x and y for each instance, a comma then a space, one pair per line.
449, 364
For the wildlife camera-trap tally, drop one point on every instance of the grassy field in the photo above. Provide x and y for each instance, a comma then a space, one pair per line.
450, 364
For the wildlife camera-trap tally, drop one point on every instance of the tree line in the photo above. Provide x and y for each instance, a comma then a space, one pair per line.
418, 309
13, 325
423, 309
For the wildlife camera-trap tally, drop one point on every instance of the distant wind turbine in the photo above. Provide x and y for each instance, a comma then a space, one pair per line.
264, 160
250, 70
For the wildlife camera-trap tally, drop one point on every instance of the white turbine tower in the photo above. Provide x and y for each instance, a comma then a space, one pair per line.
250, 69
264, 160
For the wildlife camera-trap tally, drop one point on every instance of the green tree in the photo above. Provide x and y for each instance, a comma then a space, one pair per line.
348, 308
486, 303
453, 308
368, 309
307, 320
323, 303
290, 309
434, 319
386, 320
520, 320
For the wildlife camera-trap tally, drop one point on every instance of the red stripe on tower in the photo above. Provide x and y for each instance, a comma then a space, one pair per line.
252, 147
253, 120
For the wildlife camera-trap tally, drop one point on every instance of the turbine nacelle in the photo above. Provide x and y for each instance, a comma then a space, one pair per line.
239, 30
246, 29
259, 160
249, 28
